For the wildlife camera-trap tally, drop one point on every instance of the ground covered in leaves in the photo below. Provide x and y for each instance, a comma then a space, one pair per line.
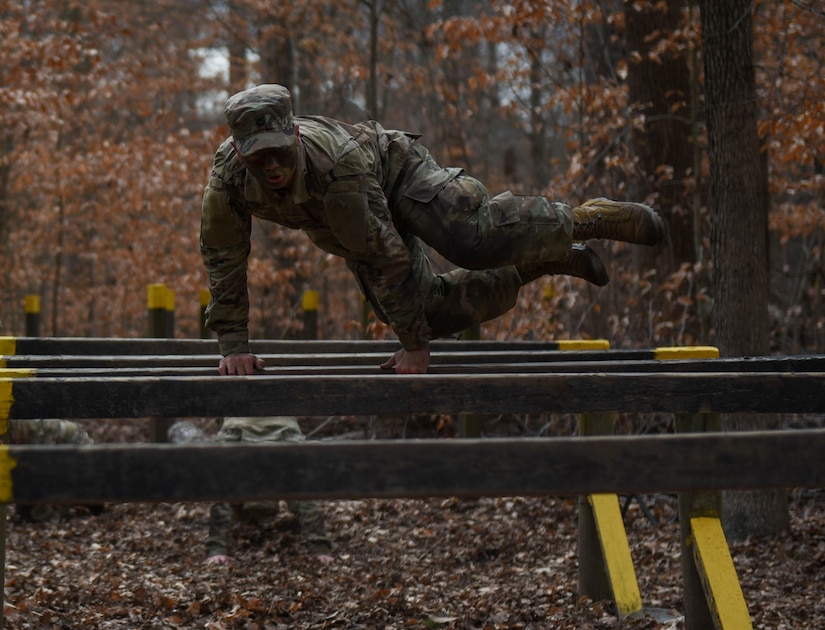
440, 563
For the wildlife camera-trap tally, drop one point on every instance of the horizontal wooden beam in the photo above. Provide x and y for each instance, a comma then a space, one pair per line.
372, 359
414, 468
301, 395
442, 364
123, 346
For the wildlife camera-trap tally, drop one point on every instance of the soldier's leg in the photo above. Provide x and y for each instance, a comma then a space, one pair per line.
453, 300
313, 526
454, 214
221, 520
310, 516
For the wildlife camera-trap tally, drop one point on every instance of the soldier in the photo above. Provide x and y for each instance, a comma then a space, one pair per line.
372, 196
222, 516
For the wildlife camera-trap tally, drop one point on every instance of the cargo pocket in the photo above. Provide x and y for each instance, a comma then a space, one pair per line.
504, 209
346, 208
425, 188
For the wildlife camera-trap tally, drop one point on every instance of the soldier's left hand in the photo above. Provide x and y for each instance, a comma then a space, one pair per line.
409, 361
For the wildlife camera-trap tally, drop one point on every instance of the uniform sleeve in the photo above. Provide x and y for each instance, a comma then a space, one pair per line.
225, 247
358, 217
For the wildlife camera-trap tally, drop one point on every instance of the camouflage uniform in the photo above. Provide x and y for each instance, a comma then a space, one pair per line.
47, 431
372, 196
222, 516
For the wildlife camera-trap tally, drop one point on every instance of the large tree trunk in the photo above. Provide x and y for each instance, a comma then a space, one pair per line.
739, 233
663, 85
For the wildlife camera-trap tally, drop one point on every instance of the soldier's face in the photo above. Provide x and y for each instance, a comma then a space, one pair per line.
274, 168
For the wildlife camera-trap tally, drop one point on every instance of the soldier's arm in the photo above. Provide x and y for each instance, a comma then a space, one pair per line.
225, 247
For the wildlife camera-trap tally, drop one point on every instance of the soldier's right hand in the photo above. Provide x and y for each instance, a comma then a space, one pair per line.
240, 364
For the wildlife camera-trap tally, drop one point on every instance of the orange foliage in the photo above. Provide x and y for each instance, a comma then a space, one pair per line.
108, 126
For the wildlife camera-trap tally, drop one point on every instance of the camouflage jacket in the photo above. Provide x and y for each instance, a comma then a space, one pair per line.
344, 177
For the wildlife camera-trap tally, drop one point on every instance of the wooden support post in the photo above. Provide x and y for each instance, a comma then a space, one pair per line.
309, 302
6, 465
157, 297
156, 306
32, 307
205, 296
722, 590
605, 564
713, 597
470, 424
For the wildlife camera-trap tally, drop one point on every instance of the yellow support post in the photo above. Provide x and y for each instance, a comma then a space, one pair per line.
722, 590
6, 461
713, 597
32, 308
605, 565
309, 303
156, 305
616, 552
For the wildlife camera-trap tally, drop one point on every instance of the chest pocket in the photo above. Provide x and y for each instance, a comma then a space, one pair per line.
346, 209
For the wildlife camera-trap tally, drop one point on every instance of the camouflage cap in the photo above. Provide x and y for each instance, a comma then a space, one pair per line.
260, 118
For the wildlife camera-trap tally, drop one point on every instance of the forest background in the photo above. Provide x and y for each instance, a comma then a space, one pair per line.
110, 113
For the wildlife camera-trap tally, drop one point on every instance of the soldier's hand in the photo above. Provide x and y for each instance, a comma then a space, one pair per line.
240, 364
409, 361
325, 558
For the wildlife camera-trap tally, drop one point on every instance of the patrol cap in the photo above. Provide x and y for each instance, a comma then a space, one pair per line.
260, 118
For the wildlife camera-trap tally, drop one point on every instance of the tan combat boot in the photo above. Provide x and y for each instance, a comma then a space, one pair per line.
580, 261
618, 221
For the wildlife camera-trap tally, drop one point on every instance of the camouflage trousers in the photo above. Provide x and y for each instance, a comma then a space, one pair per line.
488, 239
224, 516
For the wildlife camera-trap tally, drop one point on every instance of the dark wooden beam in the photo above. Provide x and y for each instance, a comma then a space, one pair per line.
301, 395
443, 364
122, 346
413, 468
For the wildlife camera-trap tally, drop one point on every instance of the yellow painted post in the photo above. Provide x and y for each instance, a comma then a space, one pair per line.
615, 549
6, 462
605, 565
309, 303
32, 308
205, 297
157, 297
156, 305
713, 597
721, 585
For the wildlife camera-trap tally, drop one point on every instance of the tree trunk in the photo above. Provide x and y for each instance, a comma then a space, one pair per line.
739, 225
662, 84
